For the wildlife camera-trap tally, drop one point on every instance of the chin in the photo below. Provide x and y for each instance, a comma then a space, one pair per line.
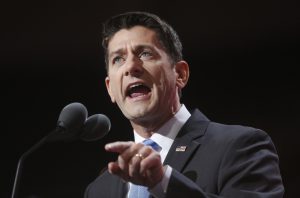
137, 115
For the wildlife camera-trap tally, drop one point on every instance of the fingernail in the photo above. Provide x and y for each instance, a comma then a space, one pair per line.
107, 146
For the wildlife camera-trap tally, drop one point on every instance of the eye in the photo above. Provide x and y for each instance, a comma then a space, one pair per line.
118, 60
146, 55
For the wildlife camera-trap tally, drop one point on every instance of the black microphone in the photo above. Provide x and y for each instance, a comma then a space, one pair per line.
95, 127
70, 122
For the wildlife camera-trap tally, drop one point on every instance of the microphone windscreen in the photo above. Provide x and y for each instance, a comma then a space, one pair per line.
95, 127
72, 117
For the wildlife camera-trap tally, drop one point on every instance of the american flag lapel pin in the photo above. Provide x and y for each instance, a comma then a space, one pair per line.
180, 148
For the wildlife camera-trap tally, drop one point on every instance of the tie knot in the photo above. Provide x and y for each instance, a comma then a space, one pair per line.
153, 144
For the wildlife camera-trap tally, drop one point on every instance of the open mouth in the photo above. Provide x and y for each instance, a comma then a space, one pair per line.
137, 90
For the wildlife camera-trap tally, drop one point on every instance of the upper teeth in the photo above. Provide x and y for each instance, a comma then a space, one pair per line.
135, 85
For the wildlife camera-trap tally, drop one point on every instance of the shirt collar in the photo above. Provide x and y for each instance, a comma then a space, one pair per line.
166, 134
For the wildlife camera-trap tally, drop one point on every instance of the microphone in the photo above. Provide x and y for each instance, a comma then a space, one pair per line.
95, 127
72, 117
72, 123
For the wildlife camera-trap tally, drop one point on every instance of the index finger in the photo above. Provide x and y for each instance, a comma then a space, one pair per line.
118, 147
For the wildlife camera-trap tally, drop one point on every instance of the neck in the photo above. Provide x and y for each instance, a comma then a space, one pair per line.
146, 128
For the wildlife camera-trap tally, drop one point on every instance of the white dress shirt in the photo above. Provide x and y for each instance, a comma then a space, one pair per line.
164, 137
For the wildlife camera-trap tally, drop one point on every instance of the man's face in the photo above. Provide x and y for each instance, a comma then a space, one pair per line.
141, 78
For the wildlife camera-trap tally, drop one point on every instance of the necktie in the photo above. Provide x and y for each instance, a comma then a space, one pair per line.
137, 191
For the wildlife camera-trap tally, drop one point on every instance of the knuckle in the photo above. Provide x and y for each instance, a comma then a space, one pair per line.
148, 149
138, 145
120, 158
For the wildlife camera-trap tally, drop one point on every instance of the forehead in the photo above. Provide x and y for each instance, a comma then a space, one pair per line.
137, 35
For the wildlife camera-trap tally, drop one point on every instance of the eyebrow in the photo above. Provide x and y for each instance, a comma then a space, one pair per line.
141, 47
135, 49
118, 51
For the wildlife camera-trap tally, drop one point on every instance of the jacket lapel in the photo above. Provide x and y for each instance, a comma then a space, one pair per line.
187, 141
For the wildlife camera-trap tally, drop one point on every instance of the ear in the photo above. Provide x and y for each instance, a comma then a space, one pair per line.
107, 83
183, 72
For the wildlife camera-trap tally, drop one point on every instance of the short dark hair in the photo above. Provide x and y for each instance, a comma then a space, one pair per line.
166, 34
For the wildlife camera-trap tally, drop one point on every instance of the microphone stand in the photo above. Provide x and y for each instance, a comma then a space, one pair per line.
23, 157
70, 121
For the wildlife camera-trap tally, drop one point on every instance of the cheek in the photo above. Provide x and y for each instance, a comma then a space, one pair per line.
166, 84
114, 88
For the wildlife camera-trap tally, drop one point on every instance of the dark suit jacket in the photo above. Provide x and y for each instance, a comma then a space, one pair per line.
227, 161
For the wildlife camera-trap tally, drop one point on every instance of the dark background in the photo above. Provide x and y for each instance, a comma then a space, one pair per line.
243, 57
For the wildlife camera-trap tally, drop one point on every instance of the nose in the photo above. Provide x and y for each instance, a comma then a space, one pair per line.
134, 66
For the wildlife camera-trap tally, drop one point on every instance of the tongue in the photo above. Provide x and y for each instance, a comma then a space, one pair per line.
139, 91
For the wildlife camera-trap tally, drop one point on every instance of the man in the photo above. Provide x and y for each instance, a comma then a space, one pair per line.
192, 156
